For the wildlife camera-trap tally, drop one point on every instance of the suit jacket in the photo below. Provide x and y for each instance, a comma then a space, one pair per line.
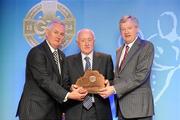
43, 90
101, 62
132, 83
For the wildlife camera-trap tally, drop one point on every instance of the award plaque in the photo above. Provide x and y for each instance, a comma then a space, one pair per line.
92, 81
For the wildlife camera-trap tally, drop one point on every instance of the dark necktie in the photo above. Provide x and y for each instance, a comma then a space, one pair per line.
87, 103
124, 57
56, 58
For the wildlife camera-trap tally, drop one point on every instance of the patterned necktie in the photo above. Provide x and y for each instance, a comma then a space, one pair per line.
124, 58
56, 58
88, 64
88, 102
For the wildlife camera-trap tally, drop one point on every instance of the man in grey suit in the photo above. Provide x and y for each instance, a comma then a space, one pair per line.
76, 64
132, 74
43, 92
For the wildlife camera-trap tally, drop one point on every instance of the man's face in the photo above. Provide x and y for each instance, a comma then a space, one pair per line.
86, 42
55, 35
129, 31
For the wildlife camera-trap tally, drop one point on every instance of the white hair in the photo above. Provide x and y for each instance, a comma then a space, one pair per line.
85, 29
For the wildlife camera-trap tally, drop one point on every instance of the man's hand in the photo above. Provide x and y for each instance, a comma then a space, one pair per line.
77, 93
107, 91
73, 87
80, 89
107, 83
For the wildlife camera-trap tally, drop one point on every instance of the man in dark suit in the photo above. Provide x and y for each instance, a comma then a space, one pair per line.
76, 64
132, 74
43, 90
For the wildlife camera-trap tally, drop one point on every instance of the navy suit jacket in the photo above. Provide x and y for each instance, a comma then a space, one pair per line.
43, 92
101, 62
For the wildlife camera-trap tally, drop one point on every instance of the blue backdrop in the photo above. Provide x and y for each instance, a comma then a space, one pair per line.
159, 23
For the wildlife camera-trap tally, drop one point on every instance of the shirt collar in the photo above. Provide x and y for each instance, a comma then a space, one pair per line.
130, 44
51, 48
89, 55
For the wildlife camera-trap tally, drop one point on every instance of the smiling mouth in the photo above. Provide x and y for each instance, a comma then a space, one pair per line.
127, 35
58, 39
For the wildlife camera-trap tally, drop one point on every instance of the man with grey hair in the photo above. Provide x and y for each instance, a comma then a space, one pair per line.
132, 74
88, 58
43, 92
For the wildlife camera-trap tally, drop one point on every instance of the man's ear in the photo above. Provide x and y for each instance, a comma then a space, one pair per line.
47, 32
77, 42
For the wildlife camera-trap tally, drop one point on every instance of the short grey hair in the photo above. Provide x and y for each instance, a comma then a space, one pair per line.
129, 17
55, 21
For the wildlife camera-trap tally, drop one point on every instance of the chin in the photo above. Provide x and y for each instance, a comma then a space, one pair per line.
57, 46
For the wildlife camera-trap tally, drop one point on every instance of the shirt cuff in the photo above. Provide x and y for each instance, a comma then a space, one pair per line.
66, 97
114, 90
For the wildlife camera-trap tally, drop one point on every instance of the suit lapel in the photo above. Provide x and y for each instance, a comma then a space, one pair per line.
119, 52
60, 59
95, 62
135, 47
79, 64
50, 56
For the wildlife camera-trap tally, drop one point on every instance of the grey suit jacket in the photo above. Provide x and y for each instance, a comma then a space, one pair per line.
43, 90
132, 83
101, 62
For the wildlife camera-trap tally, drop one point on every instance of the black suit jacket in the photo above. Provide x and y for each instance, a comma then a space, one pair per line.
43, 91
101, 62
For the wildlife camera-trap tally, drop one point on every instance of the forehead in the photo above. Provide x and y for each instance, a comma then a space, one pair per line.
57, 26
128, 22
85, 34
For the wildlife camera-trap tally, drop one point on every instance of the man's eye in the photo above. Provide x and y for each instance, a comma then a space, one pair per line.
89, 39
82, 40
56, 32
62, 34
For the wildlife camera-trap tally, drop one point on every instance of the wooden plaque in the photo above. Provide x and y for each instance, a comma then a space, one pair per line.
92, 81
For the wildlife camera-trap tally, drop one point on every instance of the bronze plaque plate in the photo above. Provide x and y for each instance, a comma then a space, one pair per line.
92, 81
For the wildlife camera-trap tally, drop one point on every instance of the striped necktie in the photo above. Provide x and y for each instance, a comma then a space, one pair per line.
56, 58
88, 102
124, 57
88, 64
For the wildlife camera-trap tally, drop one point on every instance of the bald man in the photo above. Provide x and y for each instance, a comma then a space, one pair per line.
100, 109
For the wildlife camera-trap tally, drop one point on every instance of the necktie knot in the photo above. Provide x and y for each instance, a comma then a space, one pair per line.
87, 59
127, 48
55, 53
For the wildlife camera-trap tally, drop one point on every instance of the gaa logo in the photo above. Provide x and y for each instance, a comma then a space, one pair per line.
40, 15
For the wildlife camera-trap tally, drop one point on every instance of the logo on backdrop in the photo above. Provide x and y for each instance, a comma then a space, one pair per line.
167, 53
40, 15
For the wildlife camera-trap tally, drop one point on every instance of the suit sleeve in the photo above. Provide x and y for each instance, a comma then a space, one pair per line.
110, 73
66, 80
42, 73
141, 73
